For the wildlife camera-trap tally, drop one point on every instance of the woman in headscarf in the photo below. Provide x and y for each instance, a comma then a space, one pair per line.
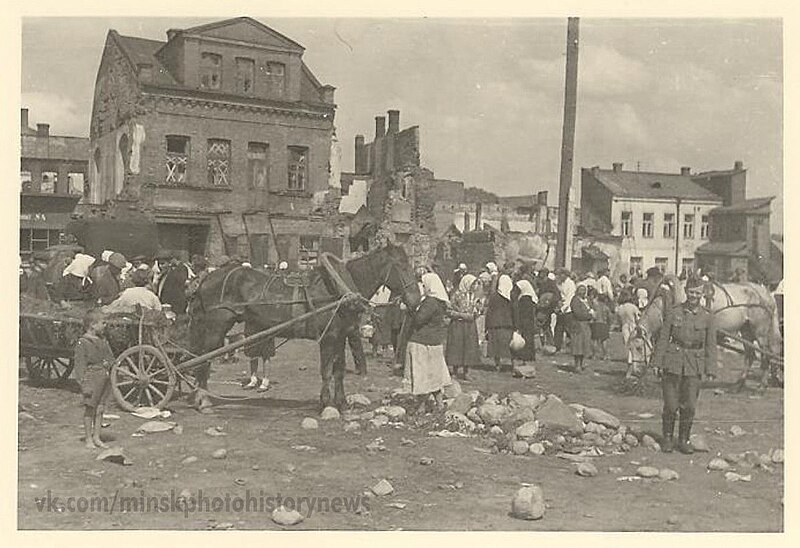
500, 321
425, 363
525, 320
462, 348
581, 333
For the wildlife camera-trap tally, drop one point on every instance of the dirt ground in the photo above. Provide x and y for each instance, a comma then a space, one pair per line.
464, 488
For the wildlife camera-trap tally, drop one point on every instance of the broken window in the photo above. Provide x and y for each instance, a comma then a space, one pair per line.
309, 251
245, 74
210, 70
26, 181
75, 183
177, 159
257, 165
219, 162
298, 168
49, 180
276, 79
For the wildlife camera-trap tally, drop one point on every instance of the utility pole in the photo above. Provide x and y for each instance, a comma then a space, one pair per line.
563, 243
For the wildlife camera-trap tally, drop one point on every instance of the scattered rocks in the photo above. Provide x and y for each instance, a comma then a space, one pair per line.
667, 474
648, 441
309, 423
496, 431
358, 400
220, 454
586, 469
536, 449
473, 415
382, 488
527, 430
528, 503
328, 414
593, 414
617, 439
214, 431
737, 431
379, 420
631, 440
594, 428
718, 464
521, 415
519, 447
115, 455
366, 415
647, 472
282, 516
524, 371
556, 415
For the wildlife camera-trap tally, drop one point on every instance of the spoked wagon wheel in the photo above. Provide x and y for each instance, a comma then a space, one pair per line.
48, 368
142, 377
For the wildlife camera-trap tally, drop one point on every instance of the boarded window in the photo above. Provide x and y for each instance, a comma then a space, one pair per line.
210, 70
276, 79
245, 74
257, 165
219, 162
38, 239
177, 157
298, 168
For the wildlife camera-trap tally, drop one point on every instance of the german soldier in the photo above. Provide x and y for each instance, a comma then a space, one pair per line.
685, 354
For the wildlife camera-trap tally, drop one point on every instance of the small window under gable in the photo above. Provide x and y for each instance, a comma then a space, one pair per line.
245, 74
276, 79
210, 70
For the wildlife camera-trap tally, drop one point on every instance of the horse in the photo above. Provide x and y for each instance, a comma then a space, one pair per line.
745, 309
235, 294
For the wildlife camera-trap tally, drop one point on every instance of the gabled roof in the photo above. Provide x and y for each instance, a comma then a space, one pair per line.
730, 249
142, 51
643, 184
208, 28
748, 206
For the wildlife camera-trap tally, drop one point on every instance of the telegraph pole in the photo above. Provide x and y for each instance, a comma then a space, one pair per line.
563, 250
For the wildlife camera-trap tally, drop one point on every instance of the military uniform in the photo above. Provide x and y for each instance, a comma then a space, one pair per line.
686, 351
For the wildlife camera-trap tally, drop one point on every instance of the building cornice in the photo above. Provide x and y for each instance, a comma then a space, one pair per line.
304, 111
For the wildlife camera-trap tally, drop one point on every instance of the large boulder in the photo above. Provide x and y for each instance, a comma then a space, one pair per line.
555, 415
528, 503
452, 390
528, 430
492, 413
592, 414
460, 404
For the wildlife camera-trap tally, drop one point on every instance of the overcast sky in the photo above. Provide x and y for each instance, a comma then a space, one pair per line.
488, 94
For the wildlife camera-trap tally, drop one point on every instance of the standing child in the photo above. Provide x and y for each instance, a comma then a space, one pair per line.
93, 360
600, 325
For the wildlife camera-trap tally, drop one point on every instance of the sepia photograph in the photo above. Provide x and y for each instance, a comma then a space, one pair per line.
400, 274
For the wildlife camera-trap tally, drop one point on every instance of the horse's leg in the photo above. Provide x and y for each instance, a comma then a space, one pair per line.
338, 377
327, 358
746, 332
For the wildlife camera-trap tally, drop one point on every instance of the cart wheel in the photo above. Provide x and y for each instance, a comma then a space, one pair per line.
142, 376
48, 368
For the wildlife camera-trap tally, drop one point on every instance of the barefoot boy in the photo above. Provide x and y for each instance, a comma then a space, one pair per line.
93, 360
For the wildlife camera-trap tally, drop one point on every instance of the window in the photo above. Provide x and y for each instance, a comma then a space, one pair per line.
688, 227
210, 70
245, 73
625, 225
704, 227
662, 263
276, 73
176, 159
647, 225
309, 251
38, 239
636, 266
298, 168
49, 180
669, 225
219, 162
257, 165
26, 181
75, 183
687, 266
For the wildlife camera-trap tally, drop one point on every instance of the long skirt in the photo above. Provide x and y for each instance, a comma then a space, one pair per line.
580, 338
599, 331
426, 368
499, 339
462, 348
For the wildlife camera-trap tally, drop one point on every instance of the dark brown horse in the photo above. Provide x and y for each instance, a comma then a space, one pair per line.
263, 300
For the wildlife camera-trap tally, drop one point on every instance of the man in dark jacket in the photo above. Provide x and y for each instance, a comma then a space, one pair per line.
106, 285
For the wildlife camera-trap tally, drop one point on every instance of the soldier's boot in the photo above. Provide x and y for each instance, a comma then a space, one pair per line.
667, 433
684, 431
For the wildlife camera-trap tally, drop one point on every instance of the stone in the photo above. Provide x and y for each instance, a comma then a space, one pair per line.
590, 438
668, 475
115, 455
586, 470
379, 420
475, 395
146, 412
718, 464
648, 441
366, 415
517, 399
189, 460
647, 472
220, 454
474, 416
617, 439
777, 456
309, 423
631, 440
733, 476
593, 414
527, 430
524, 371
152, 427
382, 488
536, 449
282, 516
493, 399
737, 431
381, 410
352, 426
555, 415
426, 461
457, 422
492, 414
460, 404
358, 400
560, 439
519, 447
452, 390
521, 415
395, 412
699, 443
578, 407
330, 414
496, 431
528, 503
594, 427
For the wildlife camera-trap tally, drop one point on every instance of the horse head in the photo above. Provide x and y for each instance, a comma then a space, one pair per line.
387, 266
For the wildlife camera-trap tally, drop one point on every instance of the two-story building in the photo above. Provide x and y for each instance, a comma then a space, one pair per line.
223, 134
662, 218
53, 175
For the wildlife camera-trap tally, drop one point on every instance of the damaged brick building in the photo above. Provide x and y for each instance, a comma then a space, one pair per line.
222, 134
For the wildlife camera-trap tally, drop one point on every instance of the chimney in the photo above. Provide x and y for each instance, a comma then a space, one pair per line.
361, 156
327, 94
23, 124
686, 170
478, 215
43, 130
617, 166
738, 165
541, 198
172, 33
394, 121
380, 126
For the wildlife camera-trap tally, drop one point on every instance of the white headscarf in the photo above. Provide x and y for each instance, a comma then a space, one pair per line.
79, 266
106, 255
283, 265
642, 297
526, 289
433, 287
466, 282
491, 267
504, 286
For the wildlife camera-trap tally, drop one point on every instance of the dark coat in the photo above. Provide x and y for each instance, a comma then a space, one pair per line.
428, 323
525, 323
105, 283
499, 313
172, 288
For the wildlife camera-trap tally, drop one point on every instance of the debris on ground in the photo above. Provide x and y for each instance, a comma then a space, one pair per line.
309, 423
329, 414
115, 455
152, 427
220, 454
215, 431
718, 464
382, 488
528, 503
282, 516
733, 476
